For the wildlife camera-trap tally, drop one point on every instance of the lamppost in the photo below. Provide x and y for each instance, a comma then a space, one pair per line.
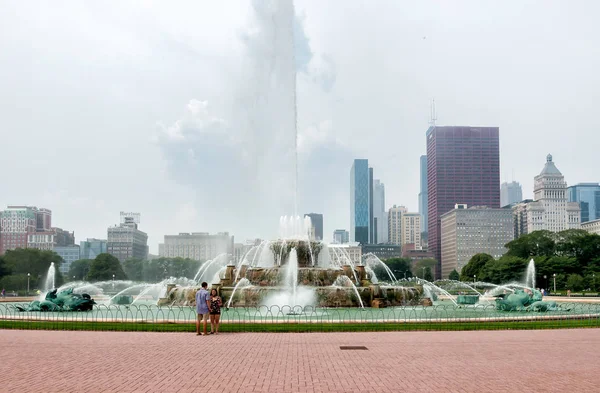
28, 276
113, 283
405, 274
423, 272
545, 281
474, 277
554, 275
594, 281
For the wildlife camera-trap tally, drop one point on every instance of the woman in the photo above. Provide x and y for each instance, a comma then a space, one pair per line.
215, 311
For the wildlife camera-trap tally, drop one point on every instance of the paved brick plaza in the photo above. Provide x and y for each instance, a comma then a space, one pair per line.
481, 361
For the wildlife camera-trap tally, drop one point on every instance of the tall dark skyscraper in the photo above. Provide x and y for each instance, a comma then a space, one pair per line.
316, 220
423, 193
361, 202
463, 166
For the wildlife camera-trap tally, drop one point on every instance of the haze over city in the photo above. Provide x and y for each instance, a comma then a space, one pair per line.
160, 108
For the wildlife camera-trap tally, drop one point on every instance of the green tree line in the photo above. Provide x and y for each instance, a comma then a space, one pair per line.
572, 255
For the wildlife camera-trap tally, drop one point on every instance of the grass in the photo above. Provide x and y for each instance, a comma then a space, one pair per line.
302, 327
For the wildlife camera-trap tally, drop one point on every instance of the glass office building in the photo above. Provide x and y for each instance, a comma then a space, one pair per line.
588, 196
360, 203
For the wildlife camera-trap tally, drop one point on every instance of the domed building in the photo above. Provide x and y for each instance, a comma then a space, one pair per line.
550, 209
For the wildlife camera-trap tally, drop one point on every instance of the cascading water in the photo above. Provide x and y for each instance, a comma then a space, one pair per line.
50, 283
372, 259
344, 281
530, 275
291, 275
244, 282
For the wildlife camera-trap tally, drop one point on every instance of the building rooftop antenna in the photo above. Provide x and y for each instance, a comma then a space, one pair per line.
432, 113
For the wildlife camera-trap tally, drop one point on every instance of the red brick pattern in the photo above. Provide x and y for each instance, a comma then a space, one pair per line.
477, 361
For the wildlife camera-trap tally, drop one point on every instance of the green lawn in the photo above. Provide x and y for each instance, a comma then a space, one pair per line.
303, 327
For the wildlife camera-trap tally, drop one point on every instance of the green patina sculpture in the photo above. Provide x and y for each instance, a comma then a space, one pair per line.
62, 301
524, 300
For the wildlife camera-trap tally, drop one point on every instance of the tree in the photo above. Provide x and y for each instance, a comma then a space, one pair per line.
422, 264
399, 266
454, 275
5, 270
506, 269
475, 266
80, 268
428, 276
104, 267
575, 282
134, 268
35, 262
578, 244
537, 243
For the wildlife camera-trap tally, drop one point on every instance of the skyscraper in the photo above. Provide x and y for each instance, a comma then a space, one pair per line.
316, 220
510, 193
361, 212
550, 209
379, 213
423, 193
463, 166
91, 248
588, 196
372, 221
126, 240
395, 224
341, 236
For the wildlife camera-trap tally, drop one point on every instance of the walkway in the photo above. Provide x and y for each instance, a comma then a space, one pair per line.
480, 361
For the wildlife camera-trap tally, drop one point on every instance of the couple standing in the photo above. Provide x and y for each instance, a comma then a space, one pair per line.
208, 305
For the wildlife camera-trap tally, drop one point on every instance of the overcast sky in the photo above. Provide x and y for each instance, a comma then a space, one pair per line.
169, 109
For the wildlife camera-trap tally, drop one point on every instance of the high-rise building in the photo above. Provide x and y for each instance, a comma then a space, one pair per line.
48, 239
395, 224
463, 166
550, 209
126, 240
69, 254
199, 246
361, 207
410, 229
379, 213
91, 248
510, 193
341, 236
28, 226
469, 231
316, 220
423, 193
588, 196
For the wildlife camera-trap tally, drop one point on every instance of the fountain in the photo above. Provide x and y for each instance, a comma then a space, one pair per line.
50, 283
60, 301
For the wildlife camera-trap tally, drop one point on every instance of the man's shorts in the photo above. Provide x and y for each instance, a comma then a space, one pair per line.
202, 317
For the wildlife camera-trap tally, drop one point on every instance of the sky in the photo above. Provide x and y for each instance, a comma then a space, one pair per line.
184, 111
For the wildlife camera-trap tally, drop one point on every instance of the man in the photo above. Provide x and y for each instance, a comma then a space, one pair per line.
202, 304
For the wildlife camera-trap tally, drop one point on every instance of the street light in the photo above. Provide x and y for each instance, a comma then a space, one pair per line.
28, 276
554, 282
474, 277
113, 283
545, 281
423, 272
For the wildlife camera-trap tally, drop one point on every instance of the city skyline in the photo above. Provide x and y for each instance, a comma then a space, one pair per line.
92, 106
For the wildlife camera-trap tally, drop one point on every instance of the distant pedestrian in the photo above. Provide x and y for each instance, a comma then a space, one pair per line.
568, 293
202, 304
215, 311
3, 293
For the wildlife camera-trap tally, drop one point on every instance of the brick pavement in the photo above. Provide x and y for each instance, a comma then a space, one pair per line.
479, 361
